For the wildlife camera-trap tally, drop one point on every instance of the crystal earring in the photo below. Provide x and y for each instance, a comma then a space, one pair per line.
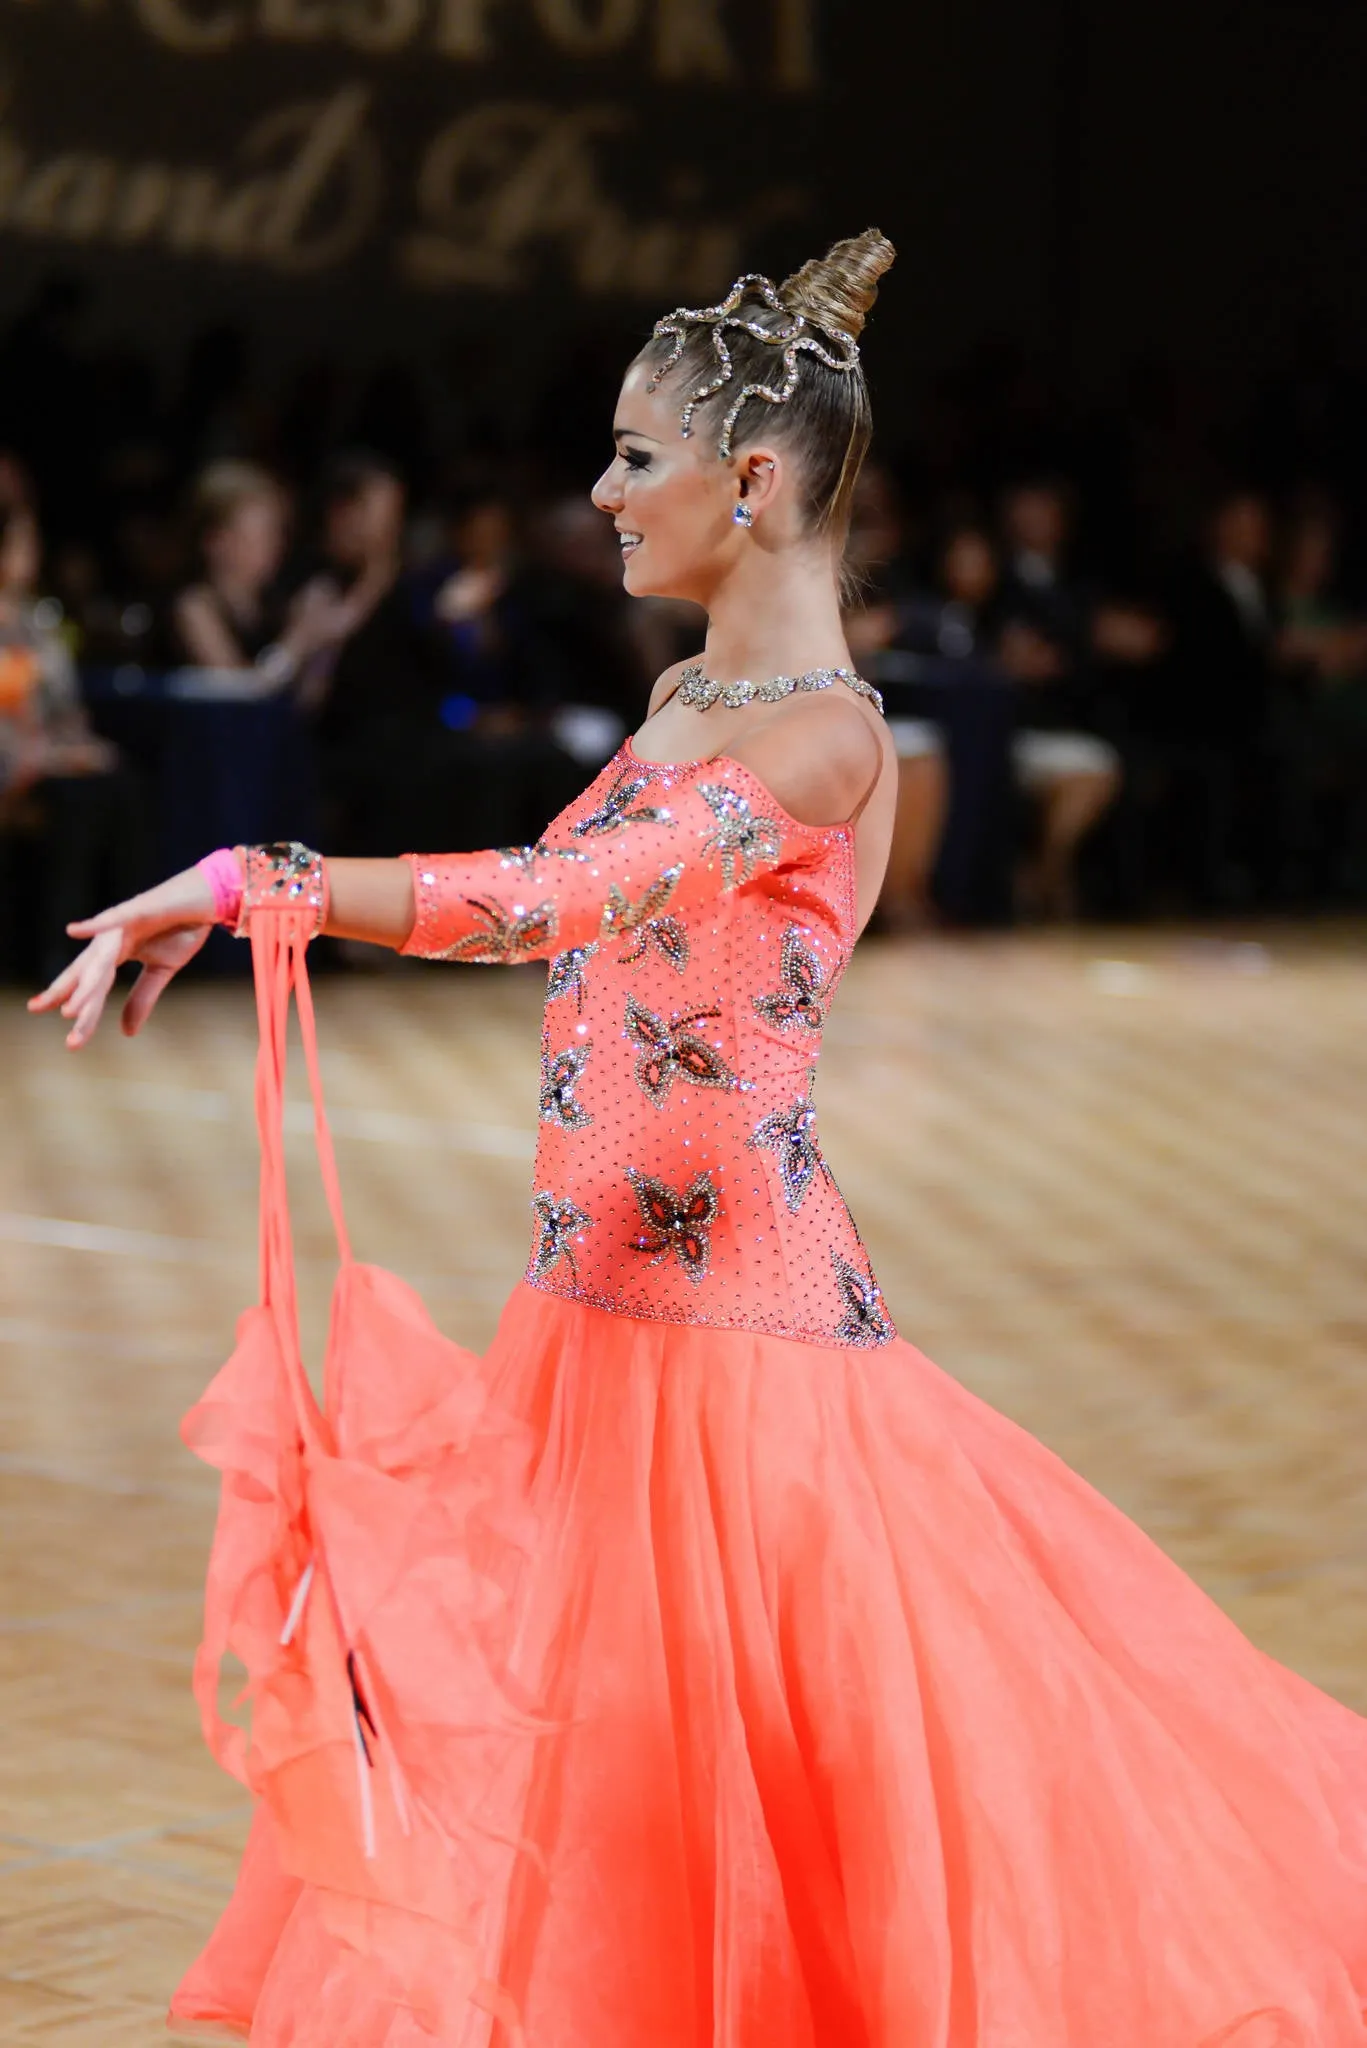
742, 515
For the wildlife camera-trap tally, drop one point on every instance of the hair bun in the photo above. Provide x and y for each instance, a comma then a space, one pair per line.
837, 290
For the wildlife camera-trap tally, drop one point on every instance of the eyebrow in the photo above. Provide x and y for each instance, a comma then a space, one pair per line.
619, 433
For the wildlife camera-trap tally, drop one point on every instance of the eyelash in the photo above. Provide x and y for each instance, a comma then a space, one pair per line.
636, 459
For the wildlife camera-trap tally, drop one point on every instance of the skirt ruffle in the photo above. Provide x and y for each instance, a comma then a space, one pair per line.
713, 1690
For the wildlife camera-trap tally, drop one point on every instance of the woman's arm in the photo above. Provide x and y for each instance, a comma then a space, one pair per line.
653, 849
371, 900
202, 632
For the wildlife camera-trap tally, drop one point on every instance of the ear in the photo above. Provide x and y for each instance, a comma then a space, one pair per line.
760, 472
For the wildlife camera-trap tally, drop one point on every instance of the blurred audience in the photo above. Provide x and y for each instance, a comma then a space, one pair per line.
880, 587
1321, 648
1034, 634
1104, 698
63, 791
234, 616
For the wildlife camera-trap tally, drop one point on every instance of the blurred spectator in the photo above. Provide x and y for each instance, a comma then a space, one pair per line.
464, 598
1208, 719
1071, 773
234, 616
1222, 623
450, 656
878, 573
376, 694
590, 642
1323, 646
426, 722
60, 786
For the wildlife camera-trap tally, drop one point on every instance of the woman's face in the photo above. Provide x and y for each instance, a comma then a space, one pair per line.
969, 569
671, 500
250, 545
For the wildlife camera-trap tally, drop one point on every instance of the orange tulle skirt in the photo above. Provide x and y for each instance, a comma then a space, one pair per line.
741, 1692
642, 1685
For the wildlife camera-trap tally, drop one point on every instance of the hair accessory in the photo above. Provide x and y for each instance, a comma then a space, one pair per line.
700, 692
284, 876
223, 871
742, 515
792, 337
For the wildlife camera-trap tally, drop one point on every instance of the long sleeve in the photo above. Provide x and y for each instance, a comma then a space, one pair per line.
653, 843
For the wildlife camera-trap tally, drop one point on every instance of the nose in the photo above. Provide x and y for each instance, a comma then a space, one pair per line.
607, 492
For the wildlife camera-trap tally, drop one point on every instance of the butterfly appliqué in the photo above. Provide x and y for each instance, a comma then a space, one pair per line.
865, 1320
560, 1076
678, 1224
525, 858
670, 1049
801, 999
558, 1224
567, 973
743, 841
643, 927
790, 1134
503, 936
619, 808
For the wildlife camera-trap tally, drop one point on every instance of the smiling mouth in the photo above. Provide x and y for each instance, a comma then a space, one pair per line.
630, 542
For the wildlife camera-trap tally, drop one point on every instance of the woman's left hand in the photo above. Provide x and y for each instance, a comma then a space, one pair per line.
163, 929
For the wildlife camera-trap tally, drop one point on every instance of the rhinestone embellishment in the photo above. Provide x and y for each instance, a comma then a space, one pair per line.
504, 936
865, 1320
642, 920
670, 1049
283, 875
560, 1076
743, 841
558, 1224
619, 808
676, 1223
567, 973
790, 1134
801, 999
525, 858
701, 692
791, 336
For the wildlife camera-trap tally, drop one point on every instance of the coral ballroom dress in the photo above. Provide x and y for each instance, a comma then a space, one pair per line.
703, 1667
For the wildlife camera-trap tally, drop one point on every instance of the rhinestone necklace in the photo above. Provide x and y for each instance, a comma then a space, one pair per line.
700, 692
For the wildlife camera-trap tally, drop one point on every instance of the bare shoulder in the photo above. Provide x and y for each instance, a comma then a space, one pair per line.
669, 682
821, 756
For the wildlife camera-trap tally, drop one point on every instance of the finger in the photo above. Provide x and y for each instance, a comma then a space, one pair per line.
111, 920
96, 969
142, 999
89, 996
87, 1018
56, 991
87, 978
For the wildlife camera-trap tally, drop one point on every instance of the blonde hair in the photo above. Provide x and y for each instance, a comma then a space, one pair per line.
223, 489
827, 423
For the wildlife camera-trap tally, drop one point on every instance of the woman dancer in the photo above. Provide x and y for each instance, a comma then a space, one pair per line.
703, 1668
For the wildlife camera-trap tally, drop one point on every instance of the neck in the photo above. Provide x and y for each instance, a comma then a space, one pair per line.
240, 594
775, 614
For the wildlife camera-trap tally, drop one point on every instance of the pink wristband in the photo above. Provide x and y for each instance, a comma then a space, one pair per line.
225, 872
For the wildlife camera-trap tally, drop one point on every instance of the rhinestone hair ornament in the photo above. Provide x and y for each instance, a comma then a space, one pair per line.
793, 338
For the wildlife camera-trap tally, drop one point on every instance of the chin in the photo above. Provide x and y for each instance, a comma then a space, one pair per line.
636, 578
642, 579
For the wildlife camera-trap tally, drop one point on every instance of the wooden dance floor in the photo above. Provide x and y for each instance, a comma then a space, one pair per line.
1115, 1184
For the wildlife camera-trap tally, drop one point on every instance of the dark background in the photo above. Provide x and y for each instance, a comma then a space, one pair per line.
1095, 180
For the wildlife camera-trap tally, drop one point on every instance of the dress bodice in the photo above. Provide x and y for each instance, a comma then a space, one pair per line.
696, 934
